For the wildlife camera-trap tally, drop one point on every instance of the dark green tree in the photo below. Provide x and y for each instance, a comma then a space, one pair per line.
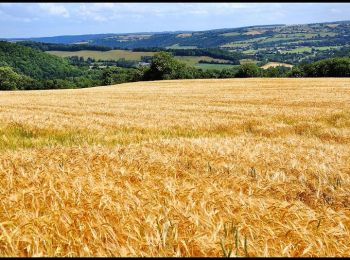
296, 72
163, 66
248, 70
8, 78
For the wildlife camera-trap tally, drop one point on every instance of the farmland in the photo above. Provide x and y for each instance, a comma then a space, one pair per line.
207, 66
103, 55
133, 55
240, 167
292, 44
275, 64
193, 60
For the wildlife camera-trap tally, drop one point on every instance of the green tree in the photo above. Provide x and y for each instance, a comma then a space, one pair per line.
296, 72
163, 66
275, 72
248, 70
8, 78
117, 75
333, 67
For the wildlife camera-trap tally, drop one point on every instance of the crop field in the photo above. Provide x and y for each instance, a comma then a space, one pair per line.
276, 64
224, 167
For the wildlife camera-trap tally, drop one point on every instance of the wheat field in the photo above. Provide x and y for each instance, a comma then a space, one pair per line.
227, 167
276, 64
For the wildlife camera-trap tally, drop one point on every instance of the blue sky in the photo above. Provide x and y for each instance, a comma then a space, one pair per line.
51, 19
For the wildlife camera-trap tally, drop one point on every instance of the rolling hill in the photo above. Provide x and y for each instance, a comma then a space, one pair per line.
290, 44
243, 38
35, 63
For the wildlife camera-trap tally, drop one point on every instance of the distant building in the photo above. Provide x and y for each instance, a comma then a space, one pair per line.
141, 63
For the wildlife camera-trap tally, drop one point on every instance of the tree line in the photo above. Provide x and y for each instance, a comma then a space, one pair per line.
26, 68
215, 53
63, 47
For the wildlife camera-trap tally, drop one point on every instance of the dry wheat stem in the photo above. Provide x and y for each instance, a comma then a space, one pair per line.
257, 167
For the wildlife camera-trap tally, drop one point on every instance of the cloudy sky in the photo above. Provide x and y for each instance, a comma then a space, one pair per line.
51, 19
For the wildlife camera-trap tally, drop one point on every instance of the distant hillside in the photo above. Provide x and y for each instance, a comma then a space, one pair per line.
23, 67
250, 38
35, 63
292, 44
62, 47
66, 39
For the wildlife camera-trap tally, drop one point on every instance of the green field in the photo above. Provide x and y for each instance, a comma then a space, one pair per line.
177, 46
250, 51
207, 66
230, 34
235, 44
104, 55
298, 50
309, 49
193, 60
324, 48
244, 61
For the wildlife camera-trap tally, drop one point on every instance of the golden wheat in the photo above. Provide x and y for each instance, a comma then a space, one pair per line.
239, 167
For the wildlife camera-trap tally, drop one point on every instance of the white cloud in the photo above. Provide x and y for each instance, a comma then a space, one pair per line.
7, 17
335, 10
92, 12
61, 18
6, 4
55, 9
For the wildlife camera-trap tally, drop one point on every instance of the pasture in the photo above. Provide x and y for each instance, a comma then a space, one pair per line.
239, 167
103, 55
209, 66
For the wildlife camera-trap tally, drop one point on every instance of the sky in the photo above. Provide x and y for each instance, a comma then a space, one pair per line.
19, 20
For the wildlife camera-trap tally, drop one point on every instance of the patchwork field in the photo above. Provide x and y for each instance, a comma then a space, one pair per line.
130, 55
239, 167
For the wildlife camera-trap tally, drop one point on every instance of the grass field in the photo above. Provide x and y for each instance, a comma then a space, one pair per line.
323, 48
245, 61
177, 46
230, 34
240, 167
193, 60
208, 66
298, 50
104, 55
